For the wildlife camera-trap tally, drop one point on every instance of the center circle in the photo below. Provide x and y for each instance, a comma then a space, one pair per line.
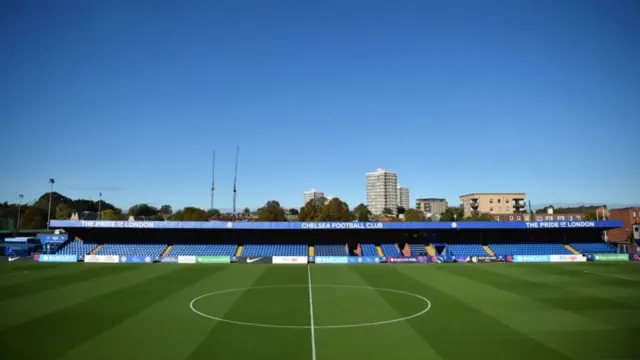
342, 326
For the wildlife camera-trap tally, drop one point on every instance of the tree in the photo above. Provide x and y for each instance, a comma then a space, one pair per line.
246, 212
63, 212
387, 212
413, 215
166, 211
361, 212
336, 210
271, 211
311, 210
142, 210
294, 212
34, 218
590, 216
191, 213
479, 217
109, 215
400, 210
452, 214
213, 214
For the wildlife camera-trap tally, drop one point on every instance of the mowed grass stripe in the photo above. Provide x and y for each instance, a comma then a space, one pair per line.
168, 329
455, 328
61, 331
85, 272
33, 271
285, 306
334, 306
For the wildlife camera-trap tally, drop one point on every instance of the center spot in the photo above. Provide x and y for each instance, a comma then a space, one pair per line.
287, 306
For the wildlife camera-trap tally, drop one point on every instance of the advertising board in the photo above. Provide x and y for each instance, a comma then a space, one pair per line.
169, 259
567, 258
531, 258
289, 259
332, 260
58, 258
186, 259
484, 259
407, 260
136, 259
611, 257
364, 260
213, 259
254, 260
106, 259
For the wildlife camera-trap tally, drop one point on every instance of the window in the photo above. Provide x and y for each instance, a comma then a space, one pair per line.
490, 201
560, 218
549, 218
511, 218
497, 218
538, 218
634, 214
519, 218
490, 209
498, 201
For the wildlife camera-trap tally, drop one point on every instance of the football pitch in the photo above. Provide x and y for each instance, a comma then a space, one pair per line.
193, 312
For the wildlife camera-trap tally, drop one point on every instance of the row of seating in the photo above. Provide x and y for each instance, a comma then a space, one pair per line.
78, 247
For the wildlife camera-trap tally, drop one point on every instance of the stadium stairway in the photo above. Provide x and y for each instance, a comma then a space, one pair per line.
311, 250
239, 250
406, 250
568, 247
430, 250
166, 251
379, 250
95, 249
488, 250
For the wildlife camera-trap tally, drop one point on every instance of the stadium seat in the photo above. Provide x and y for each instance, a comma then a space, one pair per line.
390, 250
594, 248
461, 250
330, 250
77, 247
275, 250
529, 249
417, 249
132, 249
203, 250
368, 250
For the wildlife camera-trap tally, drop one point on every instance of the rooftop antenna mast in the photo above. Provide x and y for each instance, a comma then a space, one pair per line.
235, 177
213, 175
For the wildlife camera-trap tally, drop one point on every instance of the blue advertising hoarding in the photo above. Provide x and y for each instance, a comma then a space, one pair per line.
52, 238
137, 259
169, 259
58, 258
531, 258
332, 260
469, 225
364, 260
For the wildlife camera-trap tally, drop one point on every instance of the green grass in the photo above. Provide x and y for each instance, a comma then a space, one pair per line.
478, 311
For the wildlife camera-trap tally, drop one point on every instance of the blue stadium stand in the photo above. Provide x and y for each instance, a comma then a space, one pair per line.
203, 250
330, 250
594, 248
132, 249
368, 250
460, 250
275, 250
390, 250
77, 247
529, 249
417, 249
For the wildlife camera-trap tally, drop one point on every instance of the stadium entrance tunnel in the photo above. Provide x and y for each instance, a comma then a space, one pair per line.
287, 306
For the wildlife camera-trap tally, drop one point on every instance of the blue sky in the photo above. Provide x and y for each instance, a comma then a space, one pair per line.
130, 98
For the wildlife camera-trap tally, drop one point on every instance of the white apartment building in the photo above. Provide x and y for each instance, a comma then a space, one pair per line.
382, 191
312, 194
403, 197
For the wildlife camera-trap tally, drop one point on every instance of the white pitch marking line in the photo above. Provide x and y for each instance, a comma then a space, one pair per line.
313, 331
613, 276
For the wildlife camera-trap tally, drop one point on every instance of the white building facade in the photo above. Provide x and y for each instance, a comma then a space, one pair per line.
312, 194
403, 197
382, 191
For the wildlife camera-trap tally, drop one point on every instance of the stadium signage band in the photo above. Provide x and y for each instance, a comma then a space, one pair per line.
364, 260
407, 260
169, 259
186, 259
52, 238
332, 260
611, 257
531, 258
106, 259
58, 258
136, 259
608, 224
567, 258
484, 259
254, 260
289, 259
213, 259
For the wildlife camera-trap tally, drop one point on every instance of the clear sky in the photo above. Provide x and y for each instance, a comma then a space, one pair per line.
131, 97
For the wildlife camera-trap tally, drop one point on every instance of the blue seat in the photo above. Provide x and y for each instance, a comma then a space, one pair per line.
275, 250
132, 249
330, 250
417, 249
390, 250
203, 250
77, 247
594, 248
529, 249
463, 250
368, 250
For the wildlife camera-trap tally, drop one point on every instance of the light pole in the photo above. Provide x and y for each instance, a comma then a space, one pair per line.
51, 181
100, 207
19, 208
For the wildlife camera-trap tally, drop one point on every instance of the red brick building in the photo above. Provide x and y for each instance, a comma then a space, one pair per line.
629, 216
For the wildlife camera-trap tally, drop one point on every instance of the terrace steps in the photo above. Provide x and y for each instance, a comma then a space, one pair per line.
379, 250
96, 249
568, 247
166, 251
430, 250
239, 250
488, 250
312, 250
